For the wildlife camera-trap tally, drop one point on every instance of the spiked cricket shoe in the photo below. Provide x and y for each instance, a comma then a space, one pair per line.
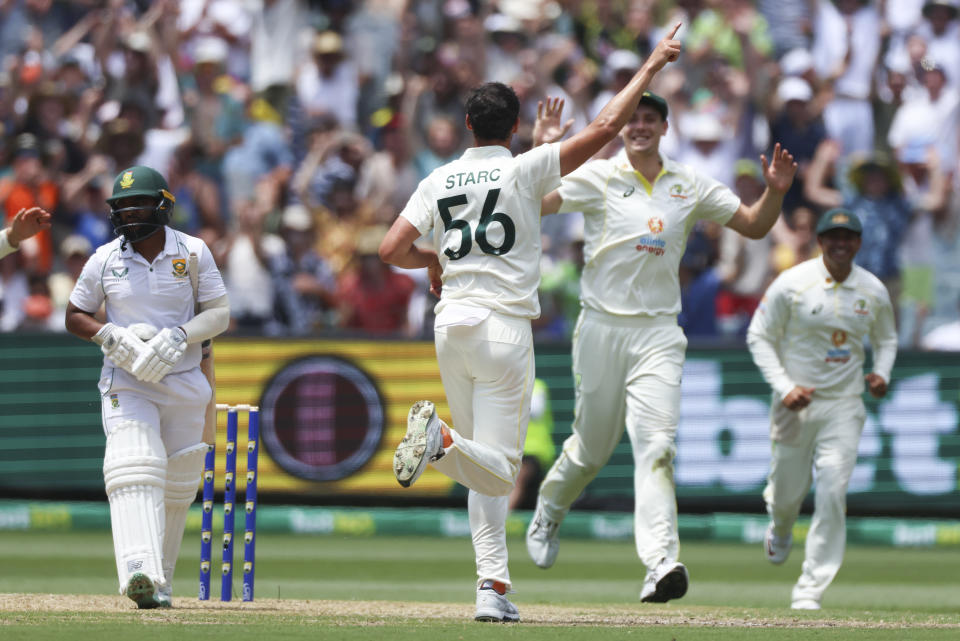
142, 591
422, 444
776, 548
669, 580
495, 607
543, 545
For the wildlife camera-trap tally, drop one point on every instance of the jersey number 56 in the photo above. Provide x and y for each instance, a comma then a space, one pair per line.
487, 216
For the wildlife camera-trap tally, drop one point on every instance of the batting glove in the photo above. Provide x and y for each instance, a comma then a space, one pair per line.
165, 351
120, 345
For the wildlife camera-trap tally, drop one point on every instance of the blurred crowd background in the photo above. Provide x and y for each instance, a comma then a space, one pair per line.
292, 133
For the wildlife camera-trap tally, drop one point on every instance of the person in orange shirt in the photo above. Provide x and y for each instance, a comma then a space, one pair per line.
26, 188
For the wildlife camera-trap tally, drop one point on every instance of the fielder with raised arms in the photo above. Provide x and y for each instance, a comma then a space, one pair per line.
628, 350
153, 394
482, 214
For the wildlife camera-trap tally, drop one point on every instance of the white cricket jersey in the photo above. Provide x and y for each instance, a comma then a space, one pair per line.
808, 330
635, 233
139, 292
483, 210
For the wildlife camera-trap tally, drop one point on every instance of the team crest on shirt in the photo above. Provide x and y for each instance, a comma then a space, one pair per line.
860, 307
114, 401
120, 274
655, 224
180, 267
676, 191
126, 181
838, 338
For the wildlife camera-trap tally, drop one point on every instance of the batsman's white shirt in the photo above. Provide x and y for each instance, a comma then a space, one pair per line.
809, 330
635, 233
157, 293
483, 214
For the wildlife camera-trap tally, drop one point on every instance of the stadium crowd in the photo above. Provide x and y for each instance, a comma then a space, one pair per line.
293, 132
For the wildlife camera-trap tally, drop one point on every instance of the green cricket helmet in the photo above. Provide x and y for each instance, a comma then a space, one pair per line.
140, 181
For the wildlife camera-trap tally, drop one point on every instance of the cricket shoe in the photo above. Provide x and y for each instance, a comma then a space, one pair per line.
543, 545
495, 607
142, 591
422, 444
669, 580
805, 604
776, 548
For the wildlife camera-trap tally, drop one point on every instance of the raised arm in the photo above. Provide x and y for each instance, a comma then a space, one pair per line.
579, 148
756, 220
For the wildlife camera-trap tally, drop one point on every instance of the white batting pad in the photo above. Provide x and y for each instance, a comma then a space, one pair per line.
134, 471
184, 469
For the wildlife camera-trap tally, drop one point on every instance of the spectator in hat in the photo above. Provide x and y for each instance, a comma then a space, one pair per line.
940, 30
618, 69
707, 145
328, 81
304, 283
873, 190
372, 296
216, 118
795, 122
506, 40
932, 115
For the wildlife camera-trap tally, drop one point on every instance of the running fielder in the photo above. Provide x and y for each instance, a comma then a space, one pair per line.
807, 339
628, 350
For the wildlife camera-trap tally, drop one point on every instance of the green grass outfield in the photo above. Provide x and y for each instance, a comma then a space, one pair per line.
62, 586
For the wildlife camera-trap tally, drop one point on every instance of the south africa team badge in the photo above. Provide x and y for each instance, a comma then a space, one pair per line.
180, 267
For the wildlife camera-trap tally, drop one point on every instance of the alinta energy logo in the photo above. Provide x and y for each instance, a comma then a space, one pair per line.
839, 354
322, 418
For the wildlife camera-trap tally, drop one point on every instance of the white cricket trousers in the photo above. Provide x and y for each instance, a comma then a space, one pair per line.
487, 371
820, 440
627, 372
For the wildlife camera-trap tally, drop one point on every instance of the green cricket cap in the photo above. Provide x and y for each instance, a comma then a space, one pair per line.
657, 102
138, 181
839, 219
